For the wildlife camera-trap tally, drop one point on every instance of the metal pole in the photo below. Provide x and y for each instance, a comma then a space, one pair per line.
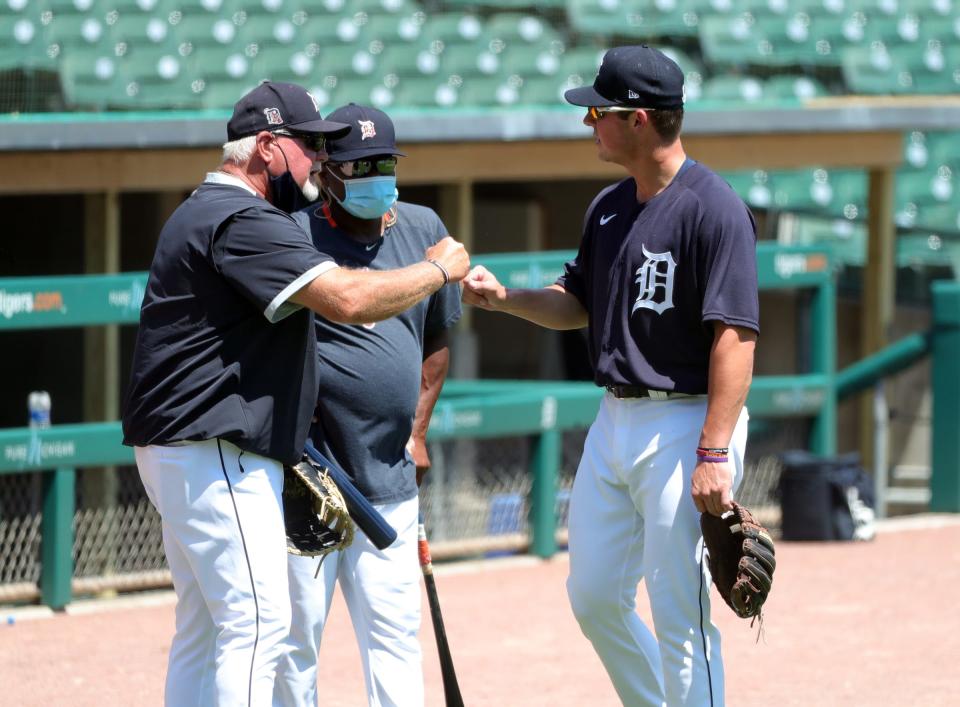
881, 439
543, 494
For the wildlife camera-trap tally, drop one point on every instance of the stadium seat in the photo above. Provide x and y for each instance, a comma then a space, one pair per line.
944, 147
731, 91
327, 30
135, 29
609, 18
469, 60
392, 29
453, 28
408, 60
514, 28
427, 93
205, 30
581, 63
796, 88
944, 218
223, 94
873, 70
544, 91
733, 40
752, 186
24, 44
531, 60
675, 18
484, 91
926, 187
363, 91
220, 64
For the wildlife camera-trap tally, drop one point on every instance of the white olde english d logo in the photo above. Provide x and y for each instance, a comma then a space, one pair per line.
273, 116
655, 273
367, 129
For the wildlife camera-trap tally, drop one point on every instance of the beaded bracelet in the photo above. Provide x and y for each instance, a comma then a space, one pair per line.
446, 275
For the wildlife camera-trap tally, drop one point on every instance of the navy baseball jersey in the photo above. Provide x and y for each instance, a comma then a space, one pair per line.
370, 373
221, 352
654, 275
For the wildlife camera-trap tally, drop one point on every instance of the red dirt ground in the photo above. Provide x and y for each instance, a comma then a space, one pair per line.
847, 624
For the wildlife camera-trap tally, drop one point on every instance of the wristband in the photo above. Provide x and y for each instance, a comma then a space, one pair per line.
719, 451
715, 460
446, 275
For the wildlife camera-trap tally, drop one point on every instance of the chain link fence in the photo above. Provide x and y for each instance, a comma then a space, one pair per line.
475, 502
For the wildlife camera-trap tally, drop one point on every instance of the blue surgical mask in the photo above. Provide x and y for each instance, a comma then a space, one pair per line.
369, 197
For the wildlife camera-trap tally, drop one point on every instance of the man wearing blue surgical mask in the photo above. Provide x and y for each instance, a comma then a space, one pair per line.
377, 389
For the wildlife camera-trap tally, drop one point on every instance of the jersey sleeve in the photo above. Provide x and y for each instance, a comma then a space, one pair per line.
268, 258
729, 236
572, 277
444, 309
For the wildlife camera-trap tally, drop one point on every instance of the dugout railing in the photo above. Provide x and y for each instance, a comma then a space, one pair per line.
540, 411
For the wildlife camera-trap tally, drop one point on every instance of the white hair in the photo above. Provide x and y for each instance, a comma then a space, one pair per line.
239, 151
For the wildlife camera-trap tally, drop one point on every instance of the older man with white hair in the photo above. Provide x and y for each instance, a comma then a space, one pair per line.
224, 385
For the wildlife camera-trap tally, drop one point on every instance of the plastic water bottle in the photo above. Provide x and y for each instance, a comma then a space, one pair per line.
38, 404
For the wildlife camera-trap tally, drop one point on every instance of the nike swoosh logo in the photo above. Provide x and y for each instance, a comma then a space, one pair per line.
372, 245
604, 220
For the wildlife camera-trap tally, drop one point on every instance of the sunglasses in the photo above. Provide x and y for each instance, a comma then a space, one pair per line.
313, 141
596, 113
385, 166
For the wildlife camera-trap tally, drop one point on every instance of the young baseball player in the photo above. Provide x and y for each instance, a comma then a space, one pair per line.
378, 386
224, 382
665, 282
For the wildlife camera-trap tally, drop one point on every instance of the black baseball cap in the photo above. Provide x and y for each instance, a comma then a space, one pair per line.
371, 133
635, 77
273, 105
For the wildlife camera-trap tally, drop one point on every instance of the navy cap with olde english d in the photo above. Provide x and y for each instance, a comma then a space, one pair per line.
273, 105
636, 76
371, 133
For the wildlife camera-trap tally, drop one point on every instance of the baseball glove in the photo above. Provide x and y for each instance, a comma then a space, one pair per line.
740, 555
314, 511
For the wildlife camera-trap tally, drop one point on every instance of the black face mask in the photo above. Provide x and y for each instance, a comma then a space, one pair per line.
285, 193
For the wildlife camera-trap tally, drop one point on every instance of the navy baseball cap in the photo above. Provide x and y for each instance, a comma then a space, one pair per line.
635, 77
273, 105
371, 133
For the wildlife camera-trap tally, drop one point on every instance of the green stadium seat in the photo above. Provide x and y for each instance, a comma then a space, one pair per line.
675, 18
453, 28
371, 7
926, 187
873, 70
797, 88
894, 30
392, 29
223, 94
220, 64
504, 4
58, 7
181, 92
581, 63
136, 29
544, 90
944, 147
609, 18
915, 152
733, 90
267, 30
514, 28
791, 39
944, 218
326, 30
531, 61
363, 91
752, 186
469, 60
205, 30
344, 62
282, 64
928, 67
490, 91
733, 40
24, 44
409, 60
88, 77
427, 93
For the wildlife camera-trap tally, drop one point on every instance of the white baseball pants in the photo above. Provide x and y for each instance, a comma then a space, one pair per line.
632, 517
224, 539
382, 591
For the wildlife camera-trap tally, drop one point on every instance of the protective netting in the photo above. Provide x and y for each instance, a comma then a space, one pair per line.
475, 501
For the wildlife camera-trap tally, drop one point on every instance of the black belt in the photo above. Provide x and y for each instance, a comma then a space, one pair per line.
639, 391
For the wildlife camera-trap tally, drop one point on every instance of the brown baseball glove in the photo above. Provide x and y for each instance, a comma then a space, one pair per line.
314, 512
740, 555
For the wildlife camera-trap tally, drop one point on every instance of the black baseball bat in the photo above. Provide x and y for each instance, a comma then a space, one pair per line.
367, 518
451, 689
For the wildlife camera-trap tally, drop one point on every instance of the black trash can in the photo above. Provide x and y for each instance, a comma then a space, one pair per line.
814, 500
